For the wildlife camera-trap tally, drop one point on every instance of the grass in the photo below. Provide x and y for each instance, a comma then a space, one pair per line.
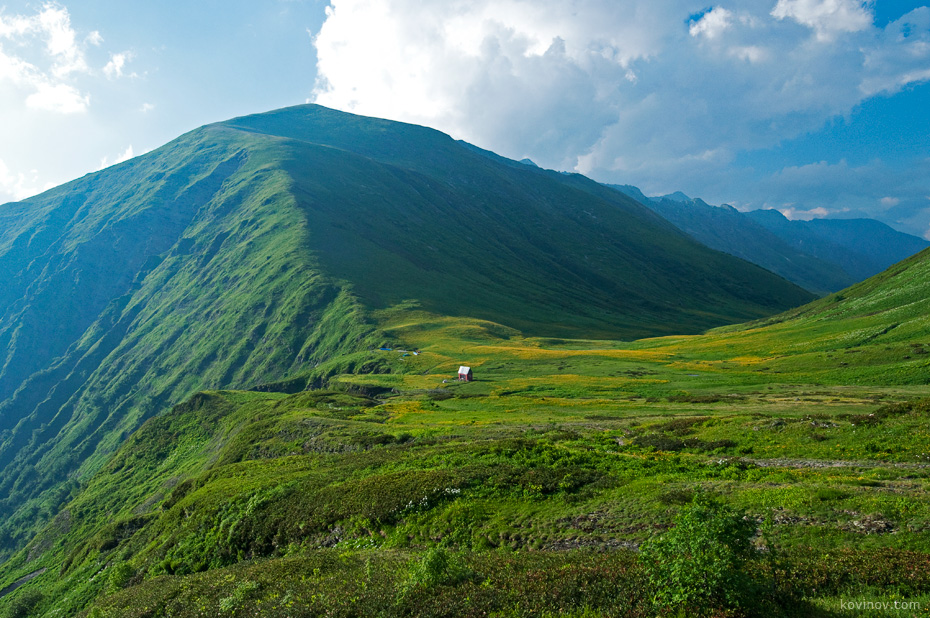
558, 449
249, 254
389, 486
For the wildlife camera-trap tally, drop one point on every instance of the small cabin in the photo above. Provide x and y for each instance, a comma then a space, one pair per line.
465, 374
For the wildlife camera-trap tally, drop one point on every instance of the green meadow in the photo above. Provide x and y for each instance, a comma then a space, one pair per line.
531, 490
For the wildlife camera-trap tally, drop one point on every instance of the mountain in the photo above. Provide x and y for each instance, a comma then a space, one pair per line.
260, 250
862, 247
728, 230
823, 255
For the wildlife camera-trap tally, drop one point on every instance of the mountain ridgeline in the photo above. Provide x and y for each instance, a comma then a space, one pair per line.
822, 255
254, 251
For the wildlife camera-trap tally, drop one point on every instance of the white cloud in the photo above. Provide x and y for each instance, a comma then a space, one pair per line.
749, 53
123, 156
48, 87
54, 25
16, 186
826, 17
535, 76
712, 24
147, 107
795, 214
60, 98
900, 56
640, 91
114, 68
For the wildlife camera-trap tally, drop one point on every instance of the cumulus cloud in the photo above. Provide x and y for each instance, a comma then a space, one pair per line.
826, 17
53, 24
712, 24
114, 68
517, 71
900, 54
46, 81
795, 214
60, 98
642, 91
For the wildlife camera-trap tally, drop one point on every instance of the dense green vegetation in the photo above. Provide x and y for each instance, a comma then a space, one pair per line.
529, 490
251, 253
259, 414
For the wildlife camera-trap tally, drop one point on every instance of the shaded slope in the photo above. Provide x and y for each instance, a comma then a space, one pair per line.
470, 234
822, 255
728, 230
862, 247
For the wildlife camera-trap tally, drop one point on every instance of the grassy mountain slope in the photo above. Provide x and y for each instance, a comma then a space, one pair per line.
252, 251
862, 247
328, 502
874, 332
212, 285
725, 229
473, 235
823, 255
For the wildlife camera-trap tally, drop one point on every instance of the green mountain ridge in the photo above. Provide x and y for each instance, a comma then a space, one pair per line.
821, 255
224, 298
862, 247
254, 251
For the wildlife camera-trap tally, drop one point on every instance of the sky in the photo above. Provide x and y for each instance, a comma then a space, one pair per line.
818, 108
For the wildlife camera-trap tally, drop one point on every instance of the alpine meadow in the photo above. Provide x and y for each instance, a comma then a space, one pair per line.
229, 386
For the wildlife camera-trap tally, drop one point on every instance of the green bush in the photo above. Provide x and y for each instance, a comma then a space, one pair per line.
120, 575
698, 566
437, 567
23, 604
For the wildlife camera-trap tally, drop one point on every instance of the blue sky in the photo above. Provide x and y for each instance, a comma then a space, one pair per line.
814, 107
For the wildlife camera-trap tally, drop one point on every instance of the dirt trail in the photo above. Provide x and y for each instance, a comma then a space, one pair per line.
19, 582
834, 463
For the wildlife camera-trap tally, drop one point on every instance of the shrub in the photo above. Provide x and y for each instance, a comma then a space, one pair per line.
697, 566
437, 567
23, 604
120, 575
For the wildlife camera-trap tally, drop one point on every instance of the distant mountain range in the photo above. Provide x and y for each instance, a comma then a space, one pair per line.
821, 255
260, 250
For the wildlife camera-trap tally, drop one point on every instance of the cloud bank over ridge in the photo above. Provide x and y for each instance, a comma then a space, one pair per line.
662, 93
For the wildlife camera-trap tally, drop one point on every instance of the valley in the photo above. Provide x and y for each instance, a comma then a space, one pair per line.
562, 454
260, 411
